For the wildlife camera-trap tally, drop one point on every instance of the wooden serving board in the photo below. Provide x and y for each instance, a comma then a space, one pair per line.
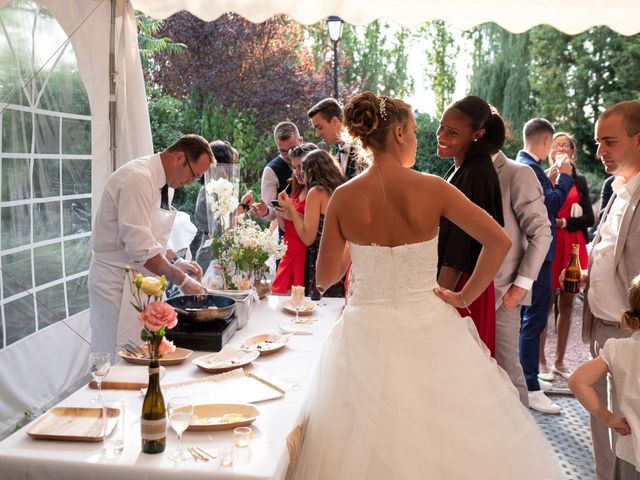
126, 377
74, 424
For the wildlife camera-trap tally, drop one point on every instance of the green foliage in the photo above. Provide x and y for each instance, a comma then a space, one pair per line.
440, 62
426, 159
149, 45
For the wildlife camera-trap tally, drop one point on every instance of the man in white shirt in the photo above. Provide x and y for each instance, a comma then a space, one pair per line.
615, 257
526, 222
326, 119
278, 170
132, 227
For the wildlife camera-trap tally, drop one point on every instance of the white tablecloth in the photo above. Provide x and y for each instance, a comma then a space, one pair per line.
22, 457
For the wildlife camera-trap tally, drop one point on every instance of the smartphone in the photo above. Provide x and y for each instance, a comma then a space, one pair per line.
274, 203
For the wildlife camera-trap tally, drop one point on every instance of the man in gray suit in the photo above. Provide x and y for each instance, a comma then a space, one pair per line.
527, 224
614, 259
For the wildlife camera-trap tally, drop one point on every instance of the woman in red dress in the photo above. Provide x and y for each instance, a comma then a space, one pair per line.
292, 265
470, 130
572, 221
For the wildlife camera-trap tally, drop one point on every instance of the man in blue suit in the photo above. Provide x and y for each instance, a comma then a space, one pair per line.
538, 135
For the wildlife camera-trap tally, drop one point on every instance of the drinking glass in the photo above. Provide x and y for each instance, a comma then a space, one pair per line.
180, 411
113, 416
242, 436
99, 365
297, 299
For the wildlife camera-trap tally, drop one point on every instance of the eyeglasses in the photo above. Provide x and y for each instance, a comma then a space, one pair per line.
565, 146
193, 174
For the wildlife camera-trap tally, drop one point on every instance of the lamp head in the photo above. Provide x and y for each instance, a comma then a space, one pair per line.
335, 25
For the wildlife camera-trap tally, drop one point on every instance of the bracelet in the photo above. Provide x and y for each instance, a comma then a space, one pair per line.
464, 303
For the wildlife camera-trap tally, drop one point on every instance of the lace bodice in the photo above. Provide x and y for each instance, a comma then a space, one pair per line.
398, 275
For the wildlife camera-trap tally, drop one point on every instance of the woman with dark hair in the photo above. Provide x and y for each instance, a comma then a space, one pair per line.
572, 223
291, 268
322, 175
469, 131
405, 389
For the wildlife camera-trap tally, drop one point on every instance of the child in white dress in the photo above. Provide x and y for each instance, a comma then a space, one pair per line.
619, 357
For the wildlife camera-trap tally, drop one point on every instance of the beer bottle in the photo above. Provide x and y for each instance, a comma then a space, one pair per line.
573, 271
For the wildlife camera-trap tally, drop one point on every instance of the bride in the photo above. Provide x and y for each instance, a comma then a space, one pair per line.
405, 388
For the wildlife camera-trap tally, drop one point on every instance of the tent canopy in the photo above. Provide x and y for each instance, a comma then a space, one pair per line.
570, 16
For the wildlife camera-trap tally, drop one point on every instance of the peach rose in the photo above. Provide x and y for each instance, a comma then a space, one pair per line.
157, 315
166, 346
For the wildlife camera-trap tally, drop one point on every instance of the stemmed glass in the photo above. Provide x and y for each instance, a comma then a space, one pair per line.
180, 411
297, 299
99, 365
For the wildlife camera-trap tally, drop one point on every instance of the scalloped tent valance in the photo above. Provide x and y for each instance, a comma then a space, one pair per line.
570, 16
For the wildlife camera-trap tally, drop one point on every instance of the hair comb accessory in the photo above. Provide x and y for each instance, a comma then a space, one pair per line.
383, 108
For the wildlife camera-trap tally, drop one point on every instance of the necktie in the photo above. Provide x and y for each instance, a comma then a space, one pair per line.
164, 197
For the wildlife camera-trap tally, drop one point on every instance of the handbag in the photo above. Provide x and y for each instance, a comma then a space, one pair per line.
576, 210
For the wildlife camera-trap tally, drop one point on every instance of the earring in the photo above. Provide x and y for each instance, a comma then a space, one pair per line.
475, 139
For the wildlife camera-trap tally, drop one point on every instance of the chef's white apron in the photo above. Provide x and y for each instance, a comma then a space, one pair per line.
113, 318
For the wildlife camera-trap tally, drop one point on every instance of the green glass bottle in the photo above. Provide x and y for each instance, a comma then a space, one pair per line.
153, 422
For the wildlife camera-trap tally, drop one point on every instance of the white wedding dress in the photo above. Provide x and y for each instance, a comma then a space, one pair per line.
405, 389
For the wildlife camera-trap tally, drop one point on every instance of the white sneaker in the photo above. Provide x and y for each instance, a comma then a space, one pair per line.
545, 386
540, 402
547, 377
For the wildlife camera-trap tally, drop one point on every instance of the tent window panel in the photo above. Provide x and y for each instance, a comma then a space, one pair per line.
77, 254
19, 319
16, 184
17, 131
16, 273
16, 226
76, 176
47, 134
51, 305
46, 221
48, 263
78, 295
76, 136
46, 178
76, 216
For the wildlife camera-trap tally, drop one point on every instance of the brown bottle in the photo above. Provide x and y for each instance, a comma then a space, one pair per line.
573, 271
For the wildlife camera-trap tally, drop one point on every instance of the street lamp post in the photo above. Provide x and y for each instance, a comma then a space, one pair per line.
335, 25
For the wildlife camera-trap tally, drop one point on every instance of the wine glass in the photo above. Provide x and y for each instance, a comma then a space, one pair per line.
180, 411
297, 299
99, 365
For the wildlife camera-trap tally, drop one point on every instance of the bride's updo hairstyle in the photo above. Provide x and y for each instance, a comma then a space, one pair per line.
369, 118
482, 115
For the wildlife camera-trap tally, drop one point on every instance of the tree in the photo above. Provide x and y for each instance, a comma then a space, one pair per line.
440, 62
230, 62
149, 45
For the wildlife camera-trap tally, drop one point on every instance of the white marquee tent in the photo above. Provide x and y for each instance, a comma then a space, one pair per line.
35, 370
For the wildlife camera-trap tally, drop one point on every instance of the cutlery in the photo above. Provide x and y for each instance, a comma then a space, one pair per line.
197, 456
204, 453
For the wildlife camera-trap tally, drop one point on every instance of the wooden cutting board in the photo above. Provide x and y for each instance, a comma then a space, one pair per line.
126, 377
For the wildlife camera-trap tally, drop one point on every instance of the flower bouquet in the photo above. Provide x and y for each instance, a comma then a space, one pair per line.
155, 315
222, 200
242, 253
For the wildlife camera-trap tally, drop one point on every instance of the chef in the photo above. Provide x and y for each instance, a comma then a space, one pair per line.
132, 227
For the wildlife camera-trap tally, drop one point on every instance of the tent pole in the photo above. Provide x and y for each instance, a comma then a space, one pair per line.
112, 86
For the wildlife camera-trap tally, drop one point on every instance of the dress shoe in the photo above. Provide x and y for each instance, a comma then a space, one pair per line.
547, 377
540, 402
545, 386
563, 373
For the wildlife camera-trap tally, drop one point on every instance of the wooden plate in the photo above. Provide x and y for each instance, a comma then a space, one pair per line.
307, 307
266, 344
212, 416
168, 359
73, 424
241, 359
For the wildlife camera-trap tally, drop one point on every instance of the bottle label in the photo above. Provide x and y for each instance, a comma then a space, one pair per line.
153, 429
154, 370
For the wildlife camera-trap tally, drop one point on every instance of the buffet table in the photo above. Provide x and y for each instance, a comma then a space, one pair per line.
274, 430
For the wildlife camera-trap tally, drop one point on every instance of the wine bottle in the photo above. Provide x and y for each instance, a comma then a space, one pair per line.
573, 271
153, 421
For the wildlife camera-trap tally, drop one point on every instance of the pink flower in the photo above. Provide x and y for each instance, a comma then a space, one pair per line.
157, 315
248, 242
166, 346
